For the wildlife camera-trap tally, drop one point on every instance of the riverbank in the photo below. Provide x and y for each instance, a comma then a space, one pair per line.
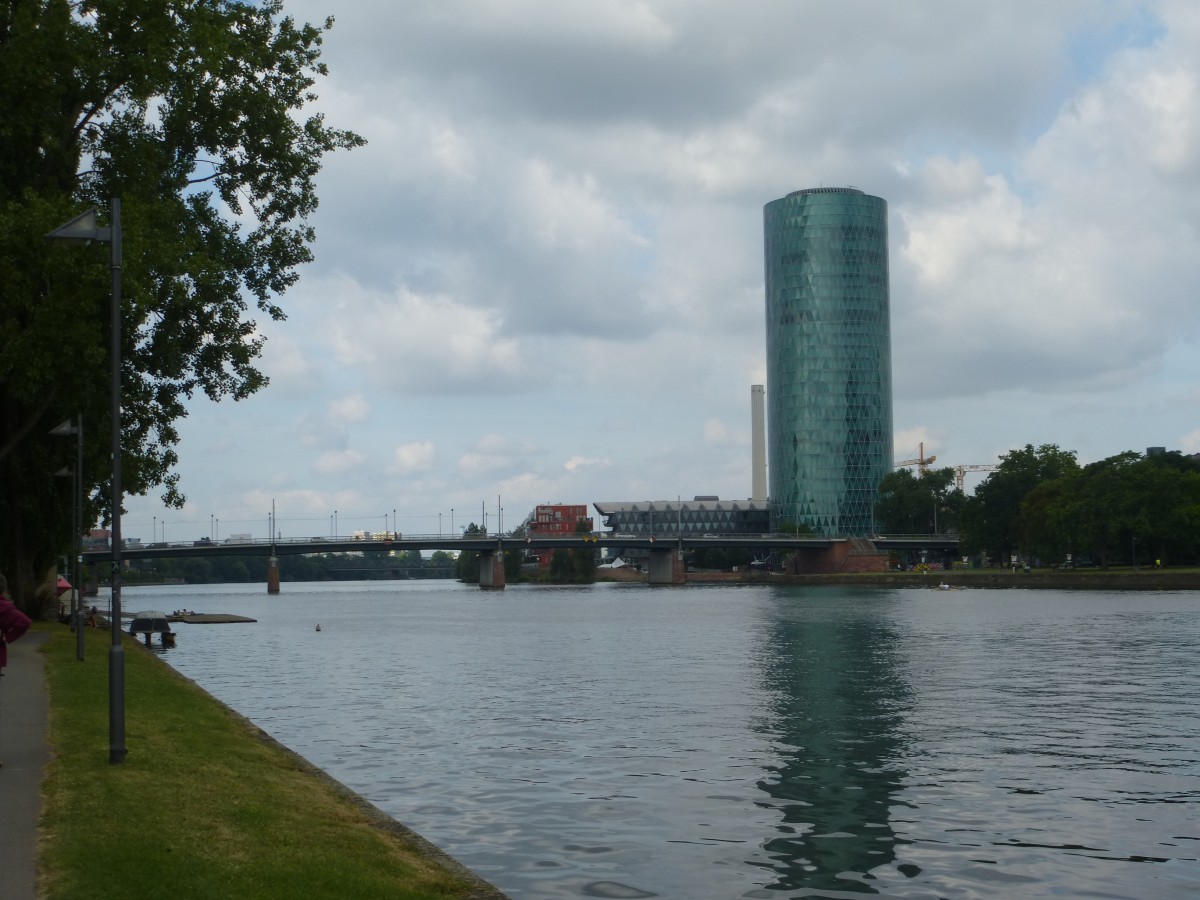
206, 803
1042, 579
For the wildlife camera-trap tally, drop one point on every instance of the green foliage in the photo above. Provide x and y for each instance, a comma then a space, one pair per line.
721, 558
192, 113
561, 570
1124, 509
312, 567
924, 504
991, 517
466, 569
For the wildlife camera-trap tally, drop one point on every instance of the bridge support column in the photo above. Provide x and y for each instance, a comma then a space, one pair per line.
491, 570
666, 566
273, 575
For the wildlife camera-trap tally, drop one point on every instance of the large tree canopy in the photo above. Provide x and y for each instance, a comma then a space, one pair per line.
991, 520
190, 111
918, 504
1127, 508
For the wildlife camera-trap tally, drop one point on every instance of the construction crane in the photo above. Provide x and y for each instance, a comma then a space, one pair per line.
959, 471
922, 462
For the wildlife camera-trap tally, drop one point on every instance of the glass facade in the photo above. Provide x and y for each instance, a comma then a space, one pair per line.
689, 518
829, 366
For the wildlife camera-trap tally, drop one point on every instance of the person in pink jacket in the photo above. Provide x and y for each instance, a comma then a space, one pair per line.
13, 622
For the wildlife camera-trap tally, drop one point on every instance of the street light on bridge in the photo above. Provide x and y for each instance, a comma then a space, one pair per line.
83, 229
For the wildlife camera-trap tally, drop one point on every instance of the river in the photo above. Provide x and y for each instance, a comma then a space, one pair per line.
726, 741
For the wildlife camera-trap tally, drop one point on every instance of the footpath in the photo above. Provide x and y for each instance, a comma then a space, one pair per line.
24, 714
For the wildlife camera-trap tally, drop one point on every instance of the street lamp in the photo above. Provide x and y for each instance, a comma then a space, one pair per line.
83, 230
63, 430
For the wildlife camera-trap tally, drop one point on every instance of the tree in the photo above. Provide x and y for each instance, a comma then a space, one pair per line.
192, 113
991, 518
583, 562
924, 504
561, 571
466, 568
440, 562
1123, 508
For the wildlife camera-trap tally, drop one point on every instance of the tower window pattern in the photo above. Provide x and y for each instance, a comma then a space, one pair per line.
829, 382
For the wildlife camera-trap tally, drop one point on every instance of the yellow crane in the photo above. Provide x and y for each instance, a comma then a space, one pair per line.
922, 462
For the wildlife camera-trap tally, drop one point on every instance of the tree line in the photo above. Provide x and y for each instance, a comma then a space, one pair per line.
1040, 505
310, 567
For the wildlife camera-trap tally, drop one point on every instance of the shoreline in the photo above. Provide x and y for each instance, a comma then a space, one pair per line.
1095, 580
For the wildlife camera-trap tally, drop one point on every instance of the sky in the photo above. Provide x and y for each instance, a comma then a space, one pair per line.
542, 279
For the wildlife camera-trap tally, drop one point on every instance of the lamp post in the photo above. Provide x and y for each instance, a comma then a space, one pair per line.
66, 429
83, 230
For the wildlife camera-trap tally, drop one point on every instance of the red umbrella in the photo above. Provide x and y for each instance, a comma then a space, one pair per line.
63, 585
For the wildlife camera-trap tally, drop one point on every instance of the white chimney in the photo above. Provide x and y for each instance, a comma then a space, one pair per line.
758, 443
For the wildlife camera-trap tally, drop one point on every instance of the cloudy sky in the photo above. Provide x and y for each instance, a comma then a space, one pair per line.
542, 280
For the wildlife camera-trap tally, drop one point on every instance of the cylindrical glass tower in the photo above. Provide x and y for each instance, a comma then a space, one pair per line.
829, 362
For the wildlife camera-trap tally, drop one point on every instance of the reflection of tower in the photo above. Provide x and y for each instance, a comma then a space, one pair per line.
838, 719
758, 444
829, 376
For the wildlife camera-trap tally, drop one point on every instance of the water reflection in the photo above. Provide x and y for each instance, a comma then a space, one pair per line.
839, 704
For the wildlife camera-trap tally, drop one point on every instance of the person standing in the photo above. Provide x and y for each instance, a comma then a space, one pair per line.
13, 624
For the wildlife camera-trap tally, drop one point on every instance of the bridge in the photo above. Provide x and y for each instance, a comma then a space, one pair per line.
665, 549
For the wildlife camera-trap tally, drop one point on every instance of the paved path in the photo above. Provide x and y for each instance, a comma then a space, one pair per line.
24, 753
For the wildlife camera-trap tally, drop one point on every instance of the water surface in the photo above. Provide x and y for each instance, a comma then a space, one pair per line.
740, 741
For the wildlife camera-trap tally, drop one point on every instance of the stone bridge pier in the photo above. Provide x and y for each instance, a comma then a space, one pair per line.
666, 566
491, 570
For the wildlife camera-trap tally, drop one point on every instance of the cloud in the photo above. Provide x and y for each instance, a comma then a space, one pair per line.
335, 462
349, 410
494, 454
414, 457
580, 463
554, 240
423, 343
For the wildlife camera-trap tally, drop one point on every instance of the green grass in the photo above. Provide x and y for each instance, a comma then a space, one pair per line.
205, 806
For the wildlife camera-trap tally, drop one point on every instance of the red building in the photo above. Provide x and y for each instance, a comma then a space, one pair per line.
553, 519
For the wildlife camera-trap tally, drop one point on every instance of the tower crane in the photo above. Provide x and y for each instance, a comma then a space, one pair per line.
959, 471
922, 462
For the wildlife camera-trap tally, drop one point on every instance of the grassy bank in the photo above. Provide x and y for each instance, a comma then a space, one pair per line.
205, 805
